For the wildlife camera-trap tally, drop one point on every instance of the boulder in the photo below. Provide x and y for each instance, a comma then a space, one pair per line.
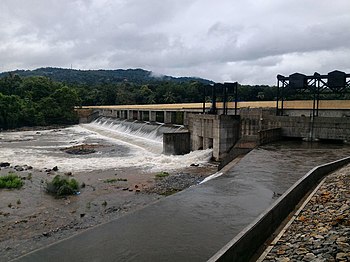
4, 164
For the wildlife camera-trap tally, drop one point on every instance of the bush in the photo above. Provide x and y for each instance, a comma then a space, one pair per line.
11, 181
162, 174
61, 186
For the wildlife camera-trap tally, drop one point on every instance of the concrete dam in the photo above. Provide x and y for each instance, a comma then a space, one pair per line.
255, 123
227, 218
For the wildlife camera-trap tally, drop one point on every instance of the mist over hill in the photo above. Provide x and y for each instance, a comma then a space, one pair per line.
93, 77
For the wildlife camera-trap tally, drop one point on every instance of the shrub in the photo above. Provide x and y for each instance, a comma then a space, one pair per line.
62, 186
162, 174
11, 181
113, 180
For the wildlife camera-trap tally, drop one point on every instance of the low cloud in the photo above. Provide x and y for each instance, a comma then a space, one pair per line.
246, 41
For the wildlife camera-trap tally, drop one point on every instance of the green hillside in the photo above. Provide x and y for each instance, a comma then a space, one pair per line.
93, 77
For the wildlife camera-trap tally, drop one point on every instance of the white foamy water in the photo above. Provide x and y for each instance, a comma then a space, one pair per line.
42, 149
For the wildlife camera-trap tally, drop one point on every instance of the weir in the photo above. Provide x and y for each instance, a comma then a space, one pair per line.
255, 123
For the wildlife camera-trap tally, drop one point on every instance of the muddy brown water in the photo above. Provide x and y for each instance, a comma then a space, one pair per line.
194, 224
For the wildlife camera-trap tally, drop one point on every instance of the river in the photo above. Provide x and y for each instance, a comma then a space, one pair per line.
194, 224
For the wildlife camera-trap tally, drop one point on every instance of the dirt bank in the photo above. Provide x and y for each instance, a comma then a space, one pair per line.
30, 218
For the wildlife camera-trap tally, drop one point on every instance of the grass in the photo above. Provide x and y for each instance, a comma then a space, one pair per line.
113, 180
62, 186
162, 174
11, 181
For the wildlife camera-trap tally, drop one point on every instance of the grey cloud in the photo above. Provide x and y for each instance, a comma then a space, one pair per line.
250, 40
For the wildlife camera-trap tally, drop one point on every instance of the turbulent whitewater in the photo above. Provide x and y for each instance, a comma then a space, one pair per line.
127, 145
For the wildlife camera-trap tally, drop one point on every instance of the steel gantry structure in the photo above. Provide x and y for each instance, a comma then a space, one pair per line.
335, 82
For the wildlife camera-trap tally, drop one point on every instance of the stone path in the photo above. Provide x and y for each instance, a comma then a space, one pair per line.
320, 229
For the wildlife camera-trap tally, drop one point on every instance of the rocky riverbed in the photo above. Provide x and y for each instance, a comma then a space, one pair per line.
321, 231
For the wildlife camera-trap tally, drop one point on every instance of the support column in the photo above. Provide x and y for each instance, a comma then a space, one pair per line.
167, 117
152, 116
130, 114
139, 115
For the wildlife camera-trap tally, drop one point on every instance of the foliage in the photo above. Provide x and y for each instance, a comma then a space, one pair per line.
97, 77
62, 186
35, 101
113, 180
11, 181
162, 174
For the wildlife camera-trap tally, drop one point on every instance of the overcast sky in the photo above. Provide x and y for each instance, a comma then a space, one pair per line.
249, 41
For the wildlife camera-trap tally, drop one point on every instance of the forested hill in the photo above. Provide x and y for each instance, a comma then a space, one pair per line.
94, 77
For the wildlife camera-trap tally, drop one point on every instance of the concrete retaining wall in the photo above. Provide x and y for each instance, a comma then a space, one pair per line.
220, 132
87, 115
234, 153
269, 135
176, 143
333, 128
248, 241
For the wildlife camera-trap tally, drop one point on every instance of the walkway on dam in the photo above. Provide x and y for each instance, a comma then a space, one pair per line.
298, 104
194, 224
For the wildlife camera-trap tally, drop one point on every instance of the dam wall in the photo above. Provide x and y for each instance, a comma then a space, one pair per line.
255, 124
220, 132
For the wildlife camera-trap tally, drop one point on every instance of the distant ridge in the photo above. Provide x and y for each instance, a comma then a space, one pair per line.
92, 77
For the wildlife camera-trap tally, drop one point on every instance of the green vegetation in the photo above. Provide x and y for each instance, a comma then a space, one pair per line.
162, 174
170, 192
11, 181
35, 101
62, 186
113, 180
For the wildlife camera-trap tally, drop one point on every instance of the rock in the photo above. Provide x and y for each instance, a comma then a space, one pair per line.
68, 174
19, 168
309, 257
55, 168
5, 164
342, 256
195, 165
283, 259
82, 215
46, 234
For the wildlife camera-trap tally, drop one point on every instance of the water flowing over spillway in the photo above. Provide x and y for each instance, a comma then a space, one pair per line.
143, 134
126, 144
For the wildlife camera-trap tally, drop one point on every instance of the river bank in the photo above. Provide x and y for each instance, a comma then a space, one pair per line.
31, 218
112, 177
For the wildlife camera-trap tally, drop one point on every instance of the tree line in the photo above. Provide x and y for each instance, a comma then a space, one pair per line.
35, 101
39, 100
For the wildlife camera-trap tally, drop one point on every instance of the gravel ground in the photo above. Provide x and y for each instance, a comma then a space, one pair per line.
321, 231
175, 183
